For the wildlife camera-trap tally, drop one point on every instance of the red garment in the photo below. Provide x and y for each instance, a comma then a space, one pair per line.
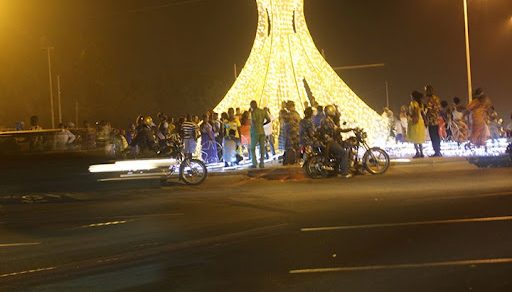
479, 129
442, 128
245, 132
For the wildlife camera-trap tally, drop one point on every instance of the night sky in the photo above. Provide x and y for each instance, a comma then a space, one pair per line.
119, 58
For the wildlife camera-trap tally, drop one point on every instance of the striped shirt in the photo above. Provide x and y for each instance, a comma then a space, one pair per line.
189, 130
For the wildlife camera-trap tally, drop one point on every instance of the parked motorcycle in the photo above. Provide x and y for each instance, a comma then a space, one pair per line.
320, 164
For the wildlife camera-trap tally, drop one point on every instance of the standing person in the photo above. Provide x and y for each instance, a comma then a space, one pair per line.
283, 118
231, 138
508, 128
218, 131
259, 118
399, 131
446, 115
162, 132
245, 133
64, 138
36, 141
390, 118
416, 125
189, 131
319, 117
307, 129
208, 143
34, 124
433, 114
403, 120
459, 126
306, 105
89, 136
269, 134
119, 143
238, 114
494, 125
172, 125
292, 134
479, 109
143, 139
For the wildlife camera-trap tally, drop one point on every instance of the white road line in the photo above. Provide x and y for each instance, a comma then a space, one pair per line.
103, 224
405, 266
18, 244
145, 215
458, 197
433, 222
27, 272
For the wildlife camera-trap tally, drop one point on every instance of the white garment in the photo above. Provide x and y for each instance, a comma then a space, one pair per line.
508, 127
457, 116
399, 129
63, 139
268, 127
405, 123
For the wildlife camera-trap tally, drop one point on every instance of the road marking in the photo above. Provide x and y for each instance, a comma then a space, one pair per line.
108, 260
458, 197
27, 272
415, 223
146, 215
404, 266
105, 224
18, 244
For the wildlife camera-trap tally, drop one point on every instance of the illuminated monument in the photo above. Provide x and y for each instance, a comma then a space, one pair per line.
285, 64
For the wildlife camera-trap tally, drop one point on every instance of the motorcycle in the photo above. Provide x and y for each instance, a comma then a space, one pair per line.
320, 164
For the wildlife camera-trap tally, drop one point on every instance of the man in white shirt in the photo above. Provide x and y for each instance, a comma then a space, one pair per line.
64, 138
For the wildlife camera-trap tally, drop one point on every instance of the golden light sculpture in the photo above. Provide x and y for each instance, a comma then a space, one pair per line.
285, 64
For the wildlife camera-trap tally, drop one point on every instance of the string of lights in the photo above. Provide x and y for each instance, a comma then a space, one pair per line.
285, 64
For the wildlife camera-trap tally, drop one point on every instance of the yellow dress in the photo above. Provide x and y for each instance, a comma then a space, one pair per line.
416, 131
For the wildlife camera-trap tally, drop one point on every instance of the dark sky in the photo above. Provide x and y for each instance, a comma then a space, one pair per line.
119, 58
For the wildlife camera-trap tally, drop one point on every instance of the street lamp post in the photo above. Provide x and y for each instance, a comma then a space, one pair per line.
49, 49
468, 51
59, 100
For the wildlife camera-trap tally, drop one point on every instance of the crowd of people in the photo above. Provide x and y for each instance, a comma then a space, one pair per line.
230, 137
235, 135
470, 125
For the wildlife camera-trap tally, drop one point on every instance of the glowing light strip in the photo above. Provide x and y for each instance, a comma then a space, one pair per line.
448, 149
132, 165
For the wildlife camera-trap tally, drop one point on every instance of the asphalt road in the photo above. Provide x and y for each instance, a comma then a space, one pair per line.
439, 225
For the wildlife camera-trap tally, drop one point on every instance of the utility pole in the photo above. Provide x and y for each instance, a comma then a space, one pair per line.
76, 113
235, 71
48, 50
59, 99
387, 94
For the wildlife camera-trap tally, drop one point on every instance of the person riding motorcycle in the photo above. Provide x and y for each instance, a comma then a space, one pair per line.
329, 135
144, 138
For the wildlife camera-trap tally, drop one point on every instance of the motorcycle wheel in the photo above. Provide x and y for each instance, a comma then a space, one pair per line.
193, 172
376, 161
314, 167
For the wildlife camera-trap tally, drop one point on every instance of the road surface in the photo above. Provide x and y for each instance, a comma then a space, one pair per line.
438, 225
